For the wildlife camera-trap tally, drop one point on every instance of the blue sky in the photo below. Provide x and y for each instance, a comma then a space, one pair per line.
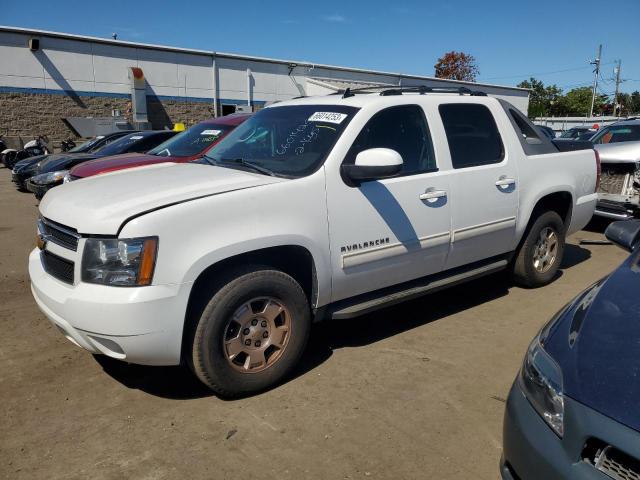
552, 40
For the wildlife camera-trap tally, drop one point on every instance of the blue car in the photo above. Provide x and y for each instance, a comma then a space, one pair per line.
574, 410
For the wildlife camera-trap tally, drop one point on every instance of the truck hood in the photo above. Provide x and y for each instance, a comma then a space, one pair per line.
101, 204
597, 345
622, 152
118, 162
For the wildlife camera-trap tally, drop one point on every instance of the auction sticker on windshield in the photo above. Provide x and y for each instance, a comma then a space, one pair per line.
211, 132
330, 117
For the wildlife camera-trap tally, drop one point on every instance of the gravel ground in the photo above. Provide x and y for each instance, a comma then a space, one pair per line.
414, 391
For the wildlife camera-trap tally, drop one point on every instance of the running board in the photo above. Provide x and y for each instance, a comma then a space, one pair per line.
433, 283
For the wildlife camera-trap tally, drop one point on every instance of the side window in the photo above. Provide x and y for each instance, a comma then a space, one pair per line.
472, 134
526, 129
403, 129
147, 143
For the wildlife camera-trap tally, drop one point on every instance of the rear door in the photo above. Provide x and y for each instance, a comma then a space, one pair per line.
484, 183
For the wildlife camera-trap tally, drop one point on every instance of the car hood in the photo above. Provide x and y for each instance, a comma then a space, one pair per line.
118, 162
26, 163
597, 345
101, 204
622, 152
62, 161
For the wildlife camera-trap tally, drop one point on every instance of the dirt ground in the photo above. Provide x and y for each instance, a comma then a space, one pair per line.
414, 391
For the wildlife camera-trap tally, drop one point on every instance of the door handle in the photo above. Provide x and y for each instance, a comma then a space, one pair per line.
431, 195
504, 182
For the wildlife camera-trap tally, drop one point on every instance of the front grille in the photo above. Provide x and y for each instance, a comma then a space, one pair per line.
56, 233
611, 461
57, 267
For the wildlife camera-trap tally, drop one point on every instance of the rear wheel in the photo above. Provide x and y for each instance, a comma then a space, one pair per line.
251, 333
540, 255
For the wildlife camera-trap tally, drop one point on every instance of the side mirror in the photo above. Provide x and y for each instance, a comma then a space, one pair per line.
625, 233
373, 164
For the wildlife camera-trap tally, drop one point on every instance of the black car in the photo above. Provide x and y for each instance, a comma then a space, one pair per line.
575, 132
573, 410
547, 131
51, 171
25, 169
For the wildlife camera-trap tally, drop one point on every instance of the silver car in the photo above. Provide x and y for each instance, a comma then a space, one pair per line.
619, 148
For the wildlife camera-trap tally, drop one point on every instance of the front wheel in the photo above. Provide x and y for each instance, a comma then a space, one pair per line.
252, 332
539, 257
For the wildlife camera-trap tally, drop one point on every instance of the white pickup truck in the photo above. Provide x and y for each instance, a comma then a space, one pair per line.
325, 207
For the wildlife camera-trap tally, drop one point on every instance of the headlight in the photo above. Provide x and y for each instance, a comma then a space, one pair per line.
67, 178
541, 382
123, 263
47, 178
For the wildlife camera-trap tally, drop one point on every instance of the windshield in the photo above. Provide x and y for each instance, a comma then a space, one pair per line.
617, 134
290, 141
192, 141
120, 145
573, 133
86, 146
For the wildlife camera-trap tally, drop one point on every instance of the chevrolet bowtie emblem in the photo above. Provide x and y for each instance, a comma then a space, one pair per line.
40, 242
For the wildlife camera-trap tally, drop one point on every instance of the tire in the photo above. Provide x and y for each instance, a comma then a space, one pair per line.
244, 310
529, 268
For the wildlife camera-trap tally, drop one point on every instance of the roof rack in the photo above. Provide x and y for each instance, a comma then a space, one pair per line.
421, 89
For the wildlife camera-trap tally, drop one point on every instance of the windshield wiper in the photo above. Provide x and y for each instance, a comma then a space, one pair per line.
209, 160
253, 166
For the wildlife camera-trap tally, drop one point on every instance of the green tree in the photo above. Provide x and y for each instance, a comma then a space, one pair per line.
577, 102
543, 100
634, 103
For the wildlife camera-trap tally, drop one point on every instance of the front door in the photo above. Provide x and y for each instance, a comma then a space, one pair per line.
392, 230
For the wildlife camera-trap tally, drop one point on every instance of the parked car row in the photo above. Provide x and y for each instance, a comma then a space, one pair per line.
120, 150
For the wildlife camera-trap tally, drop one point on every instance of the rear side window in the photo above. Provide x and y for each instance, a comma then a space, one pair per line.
526, 129
403, 129
472, 134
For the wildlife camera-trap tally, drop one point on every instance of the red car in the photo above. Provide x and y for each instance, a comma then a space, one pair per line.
184, 147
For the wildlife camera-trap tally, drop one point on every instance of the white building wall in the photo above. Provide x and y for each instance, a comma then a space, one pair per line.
100, 68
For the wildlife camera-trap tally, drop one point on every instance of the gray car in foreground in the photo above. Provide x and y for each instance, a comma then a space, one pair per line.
572, 412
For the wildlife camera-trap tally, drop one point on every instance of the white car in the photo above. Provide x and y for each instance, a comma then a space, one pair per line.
314, 208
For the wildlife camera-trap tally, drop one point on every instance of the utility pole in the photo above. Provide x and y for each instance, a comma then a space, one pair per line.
615, 98
596, 72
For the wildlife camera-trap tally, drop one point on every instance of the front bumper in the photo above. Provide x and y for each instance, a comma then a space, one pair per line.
137, 324
19, 180
38, 189
532, 451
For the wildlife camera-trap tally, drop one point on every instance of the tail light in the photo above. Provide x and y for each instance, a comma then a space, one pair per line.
598, 170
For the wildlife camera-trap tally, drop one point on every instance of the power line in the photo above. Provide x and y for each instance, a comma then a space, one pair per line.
544, 73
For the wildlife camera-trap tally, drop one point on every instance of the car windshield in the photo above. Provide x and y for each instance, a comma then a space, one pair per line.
191, 141
617, 134
120, 145
573, 133
86, 146
290, 141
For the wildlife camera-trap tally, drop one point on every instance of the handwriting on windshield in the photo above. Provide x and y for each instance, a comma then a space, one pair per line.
299, 138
